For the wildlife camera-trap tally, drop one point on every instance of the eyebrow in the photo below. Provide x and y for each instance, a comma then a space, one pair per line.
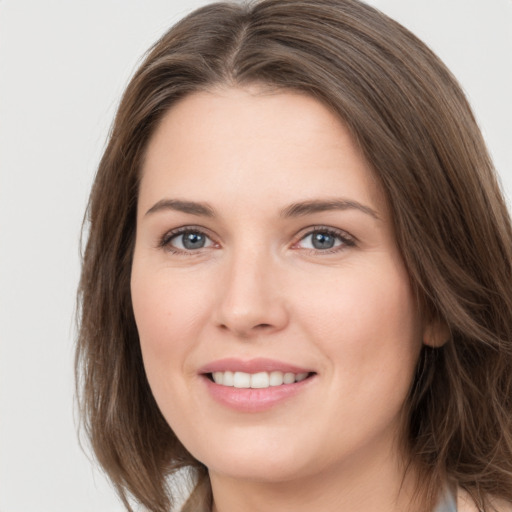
317, 205
191, 207
298, 209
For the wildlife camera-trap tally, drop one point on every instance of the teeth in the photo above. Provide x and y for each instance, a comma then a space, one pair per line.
242, 380
289, 378
258, 380
276, 378
228, 379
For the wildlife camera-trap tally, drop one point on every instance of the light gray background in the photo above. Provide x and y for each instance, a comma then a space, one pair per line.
63, 66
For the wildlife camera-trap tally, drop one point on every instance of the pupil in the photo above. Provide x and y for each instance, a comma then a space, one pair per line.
193, 240
323, 241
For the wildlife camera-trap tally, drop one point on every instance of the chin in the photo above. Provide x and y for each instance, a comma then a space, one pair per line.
256, 460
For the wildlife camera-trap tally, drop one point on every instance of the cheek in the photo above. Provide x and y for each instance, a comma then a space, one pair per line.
371, 335
366, 317
169, 315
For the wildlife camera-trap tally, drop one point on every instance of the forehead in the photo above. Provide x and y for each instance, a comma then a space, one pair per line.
254, 139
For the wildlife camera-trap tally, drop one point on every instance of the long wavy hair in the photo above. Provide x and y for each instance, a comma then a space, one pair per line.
415, 127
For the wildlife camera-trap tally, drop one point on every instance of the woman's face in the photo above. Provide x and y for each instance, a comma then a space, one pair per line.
276, 319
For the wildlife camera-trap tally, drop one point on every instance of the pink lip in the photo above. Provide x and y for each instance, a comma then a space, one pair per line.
251, 366
254, 400
248, 399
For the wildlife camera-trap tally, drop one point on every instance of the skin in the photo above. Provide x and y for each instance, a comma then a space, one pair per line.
258, 288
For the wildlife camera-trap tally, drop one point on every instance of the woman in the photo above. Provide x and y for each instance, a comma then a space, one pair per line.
297, 276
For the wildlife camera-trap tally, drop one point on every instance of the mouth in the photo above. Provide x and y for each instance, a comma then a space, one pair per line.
255, 385
258, 380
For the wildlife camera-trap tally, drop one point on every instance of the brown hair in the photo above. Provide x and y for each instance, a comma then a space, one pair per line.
416, 129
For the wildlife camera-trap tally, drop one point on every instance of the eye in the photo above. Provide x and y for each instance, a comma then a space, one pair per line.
186, 240
325, 240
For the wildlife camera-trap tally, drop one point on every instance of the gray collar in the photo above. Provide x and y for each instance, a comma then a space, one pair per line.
448, 502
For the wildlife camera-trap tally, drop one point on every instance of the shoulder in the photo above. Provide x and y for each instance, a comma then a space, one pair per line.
465, 503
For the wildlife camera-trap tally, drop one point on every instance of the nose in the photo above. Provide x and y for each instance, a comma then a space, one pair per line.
251, 299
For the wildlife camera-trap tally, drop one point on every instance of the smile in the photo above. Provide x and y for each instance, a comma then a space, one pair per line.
255, 385
258, 380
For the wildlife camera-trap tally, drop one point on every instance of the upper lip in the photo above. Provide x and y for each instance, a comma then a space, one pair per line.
251, 366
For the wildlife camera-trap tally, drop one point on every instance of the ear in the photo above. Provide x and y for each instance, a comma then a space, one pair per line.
436, 333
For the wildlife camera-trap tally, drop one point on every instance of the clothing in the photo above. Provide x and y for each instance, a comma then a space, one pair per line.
448, 502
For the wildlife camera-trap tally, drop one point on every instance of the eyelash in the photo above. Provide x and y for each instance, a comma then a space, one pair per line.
346, 240
167, 238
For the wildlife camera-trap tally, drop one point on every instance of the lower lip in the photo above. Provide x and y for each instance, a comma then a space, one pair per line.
254, 400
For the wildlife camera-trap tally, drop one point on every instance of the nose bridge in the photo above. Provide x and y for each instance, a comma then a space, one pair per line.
250, 298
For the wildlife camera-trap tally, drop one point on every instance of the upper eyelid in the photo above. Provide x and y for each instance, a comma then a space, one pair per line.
331, 230
166, 238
